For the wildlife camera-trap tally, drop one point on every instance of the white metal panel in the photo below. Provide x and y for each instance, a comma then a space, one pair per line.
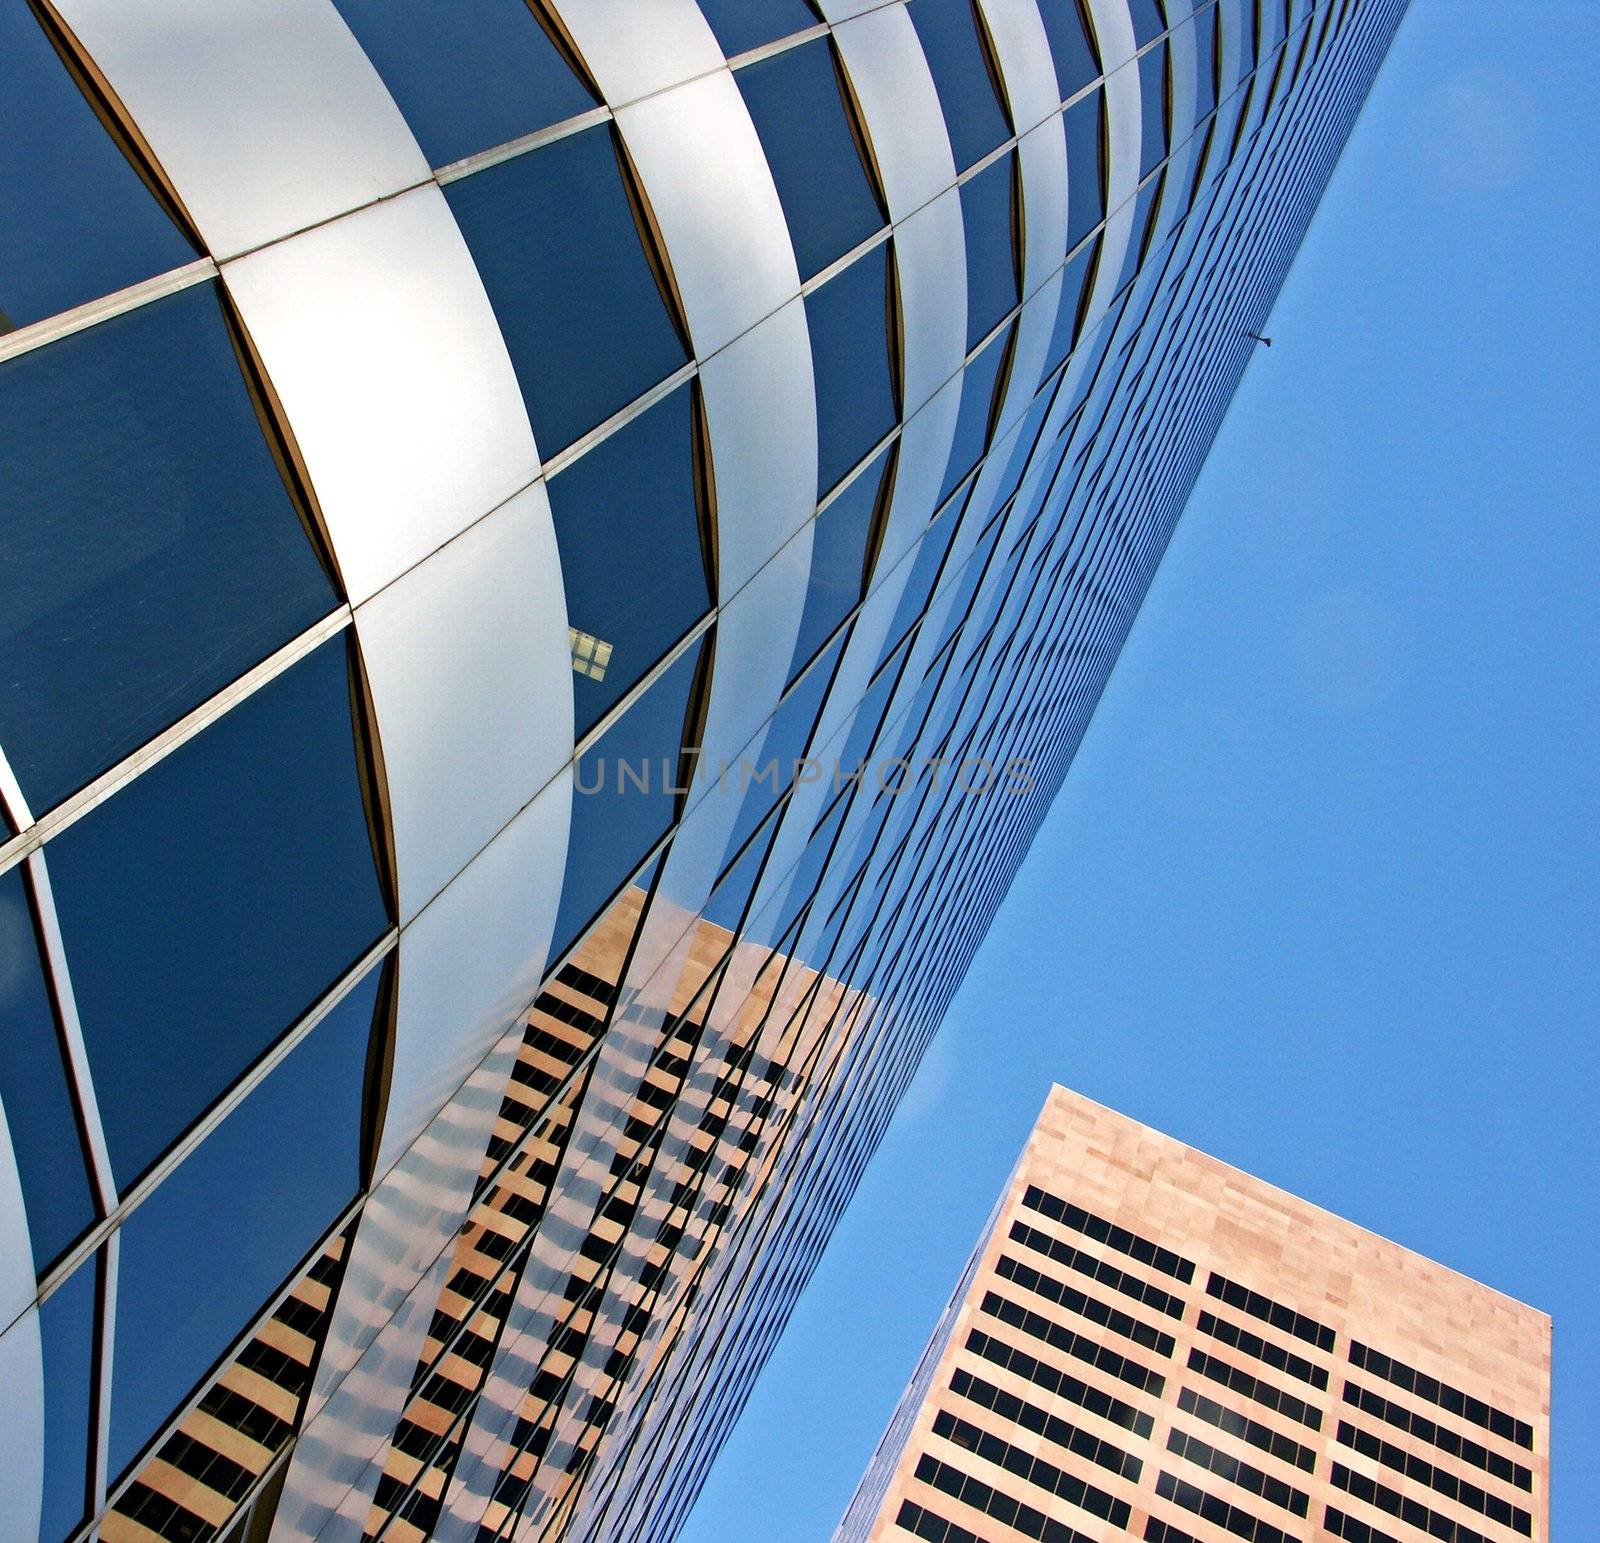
386, 356
634, 47
761, 414
889, 72
470, 668
22, 1430
924, 453
1042, 157
1026, 64
266, 114
18, 1283
714, 199
470, 964
931, 256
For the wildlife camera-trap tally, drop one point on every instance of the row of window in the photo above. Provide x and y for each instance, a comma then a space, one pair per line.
1263, 1393
1450, 1399
1062, 1433
1060, 1384
1032, 1470
1123, 1368
1251, 1431
1263, 1350
1241, 1474
1025, 1520
1413, 1513
1097, 1269
1083, 1305
1219, 1512
1113, 1236
1446, 1484
1472, 1452
1275, 1313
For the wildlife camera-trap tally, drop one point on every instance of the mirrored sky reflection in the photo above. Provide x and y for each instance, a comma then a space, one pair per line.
1318, 896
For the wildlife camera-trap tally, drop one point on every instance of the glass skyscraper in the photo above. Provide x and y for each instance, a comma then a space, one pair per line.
554, 555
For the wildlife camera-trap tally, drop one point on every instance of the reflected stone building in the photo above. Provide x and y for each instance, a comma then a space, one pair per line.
1150, 1344
553, 555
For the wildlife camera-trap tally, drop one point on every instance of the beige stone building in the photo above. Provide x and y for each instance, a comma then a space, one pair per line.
1148, 1343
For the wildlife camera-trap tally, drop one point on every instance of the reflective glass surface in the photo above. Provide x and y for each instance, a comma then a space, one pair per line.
1152, 109
798, 107
838, 560
67, 1332
631, 554
1074, 281
1205, 43
1144, 210
976, 414
467, 74
992, 287
968, 92
1071, 44
744, 24
920, 580
624, 797
79, 222
152, 552
33, 1087
210, 902
1148, 22
848, 318
203, 1255
1086, 189
555, 240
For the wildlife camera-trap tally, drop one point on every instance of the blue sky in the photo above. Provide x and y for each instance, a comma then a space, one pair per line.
1319, 896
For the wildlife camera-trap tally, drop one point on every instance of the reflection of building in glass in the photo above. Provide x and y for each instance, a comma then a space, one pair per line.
412, 418
1149, 1340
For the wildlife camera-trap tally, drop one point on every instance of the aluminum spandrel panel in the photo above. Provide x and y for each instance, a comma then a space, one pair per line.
1042, 156
266, 114
471, 963
905, 126
17, 1281
22, 1430
931, 255
1023, 49
925, 443
761, 416
717, 207
470, 668
635, 47
391, 369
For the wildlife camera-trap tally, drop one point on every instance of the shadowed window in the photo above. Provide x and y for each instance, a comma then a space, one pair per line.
848, 318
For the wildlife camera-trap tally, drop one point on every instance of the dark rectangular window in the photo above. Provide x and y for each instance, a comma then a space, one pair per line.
1214, 1509
1442, 1394
1232, 1335
1062, 1433
1031, 1470
1462, 1491
1102, 1231
1413, 1513
1080, 1345
1084, 1306
1237, 1472
1059, 1383
1027, 1520
1097, 1269
1462, 1447
1252, 1431
1263, 1393
1268, 1311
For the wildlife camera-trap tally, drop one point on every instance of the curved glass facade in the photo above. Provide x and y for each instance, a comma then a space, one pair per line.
554, 557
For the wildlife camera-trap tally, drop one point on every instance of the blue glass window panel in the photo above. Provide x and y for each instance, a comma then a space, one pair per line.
975, 417
1144, 210
963, 77
808, 873
798, 108
1022, 448
615, 823
1074, 283
34, 1089
848, 319
785, 742
1148, 22
467, 74
1205, 44
67, 1330
728, 901
554, 238
79, 221
1274, 22
1086, 188
745, 24
1153, 109
210, 902
838, 561
206, 1251
631, 555
1072, 46
152, 553
986, 215
924, 571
